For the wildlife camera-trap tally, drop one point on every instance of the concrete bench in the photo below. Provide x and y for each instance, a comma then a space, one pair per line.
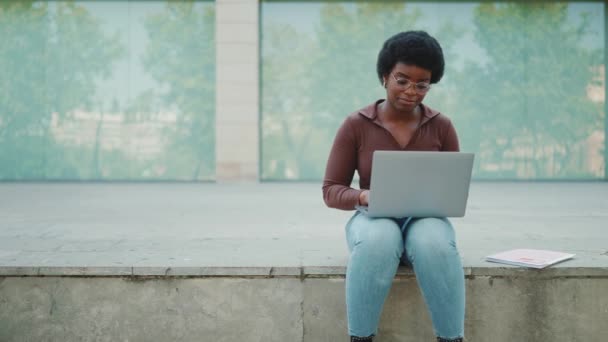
266, 262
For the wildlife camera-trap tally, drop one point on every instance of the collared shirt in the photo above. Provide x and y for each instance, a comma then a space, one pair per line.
360, 135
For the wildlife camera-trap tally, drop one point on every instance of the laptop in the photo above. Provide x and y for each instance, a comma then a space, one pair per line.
419, 184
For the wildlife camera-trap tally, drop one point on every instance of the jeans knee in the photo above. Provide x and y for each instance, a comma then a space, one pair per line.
383, 237
431, 237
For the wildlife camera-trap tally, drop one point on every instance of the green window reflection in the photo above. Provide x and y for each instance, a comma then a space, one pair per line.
524, 82
107, 90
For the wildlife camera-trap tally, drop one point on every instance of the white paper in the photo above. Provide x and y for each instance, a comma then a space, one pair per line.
536, 258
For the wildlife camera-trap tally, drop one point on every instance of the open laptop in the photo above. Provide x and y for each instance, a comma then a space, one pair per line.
419, 184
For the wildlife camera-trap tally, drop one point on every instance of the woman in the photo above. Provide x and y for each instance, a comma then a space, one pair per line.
408, 64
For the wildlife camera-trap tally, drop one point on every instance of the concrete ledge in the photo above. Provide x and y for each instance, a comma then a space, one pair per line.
232, 262
295, 272
228, 309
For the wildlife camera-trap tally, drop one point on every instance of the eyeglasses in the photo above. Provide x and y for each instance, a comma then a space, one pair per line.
420, 87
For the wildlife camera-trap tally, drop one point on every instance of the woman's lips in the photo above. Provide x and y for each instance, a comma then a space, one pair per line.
407, 101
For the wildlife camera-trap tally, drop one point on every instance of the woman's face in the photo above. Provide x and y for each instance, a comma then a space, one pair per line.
406, 86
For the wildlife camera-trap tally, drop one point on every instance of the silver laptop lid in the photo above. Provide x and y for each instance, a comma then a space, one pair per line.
420, 184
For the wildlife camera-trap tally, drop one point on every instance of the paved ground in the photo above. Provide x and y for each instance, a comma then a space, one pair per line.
115, 227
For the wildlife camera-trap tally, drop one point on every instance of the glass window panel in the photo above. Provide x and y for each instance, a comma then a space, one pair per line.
524, 82
107, 90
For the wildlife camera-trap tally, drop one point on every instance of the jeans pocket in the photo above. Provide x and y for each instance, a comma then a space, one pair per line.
347, 229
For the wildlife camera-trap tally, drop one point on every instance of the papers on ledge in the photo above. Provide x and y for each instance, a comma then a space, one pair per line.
535, 258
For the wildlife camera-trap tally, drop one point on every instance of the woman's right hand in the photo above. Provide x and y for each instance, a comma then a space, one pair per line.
364, 197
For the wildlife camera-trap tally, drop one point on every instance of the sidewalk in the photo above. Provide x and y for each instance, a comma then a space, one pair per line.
198, 229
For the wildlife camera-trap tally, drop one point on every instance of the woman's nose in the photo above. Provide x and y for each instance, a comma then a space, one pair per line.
411, 90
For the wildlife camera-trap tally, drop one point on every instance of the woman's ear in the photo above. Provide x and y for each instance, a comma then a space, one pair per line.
384, 82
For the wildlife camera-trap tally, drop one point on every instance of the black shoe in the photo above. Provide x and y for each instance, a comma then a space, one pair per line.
459, 339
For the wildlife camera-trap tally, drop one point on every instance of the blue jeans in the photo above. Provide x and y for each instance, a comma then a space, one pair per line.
377, 245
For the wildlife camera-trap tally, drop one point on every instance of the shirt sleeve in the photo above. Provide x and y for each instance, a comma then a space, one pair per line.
450, 139
341, 166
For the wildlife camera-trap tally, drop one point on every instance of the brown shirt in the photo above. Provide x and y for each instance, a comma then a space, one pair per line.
360, 135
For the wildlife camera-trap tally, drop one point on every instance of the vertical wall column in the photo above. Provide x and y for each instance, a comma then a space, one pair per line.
237, 90
605, 92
